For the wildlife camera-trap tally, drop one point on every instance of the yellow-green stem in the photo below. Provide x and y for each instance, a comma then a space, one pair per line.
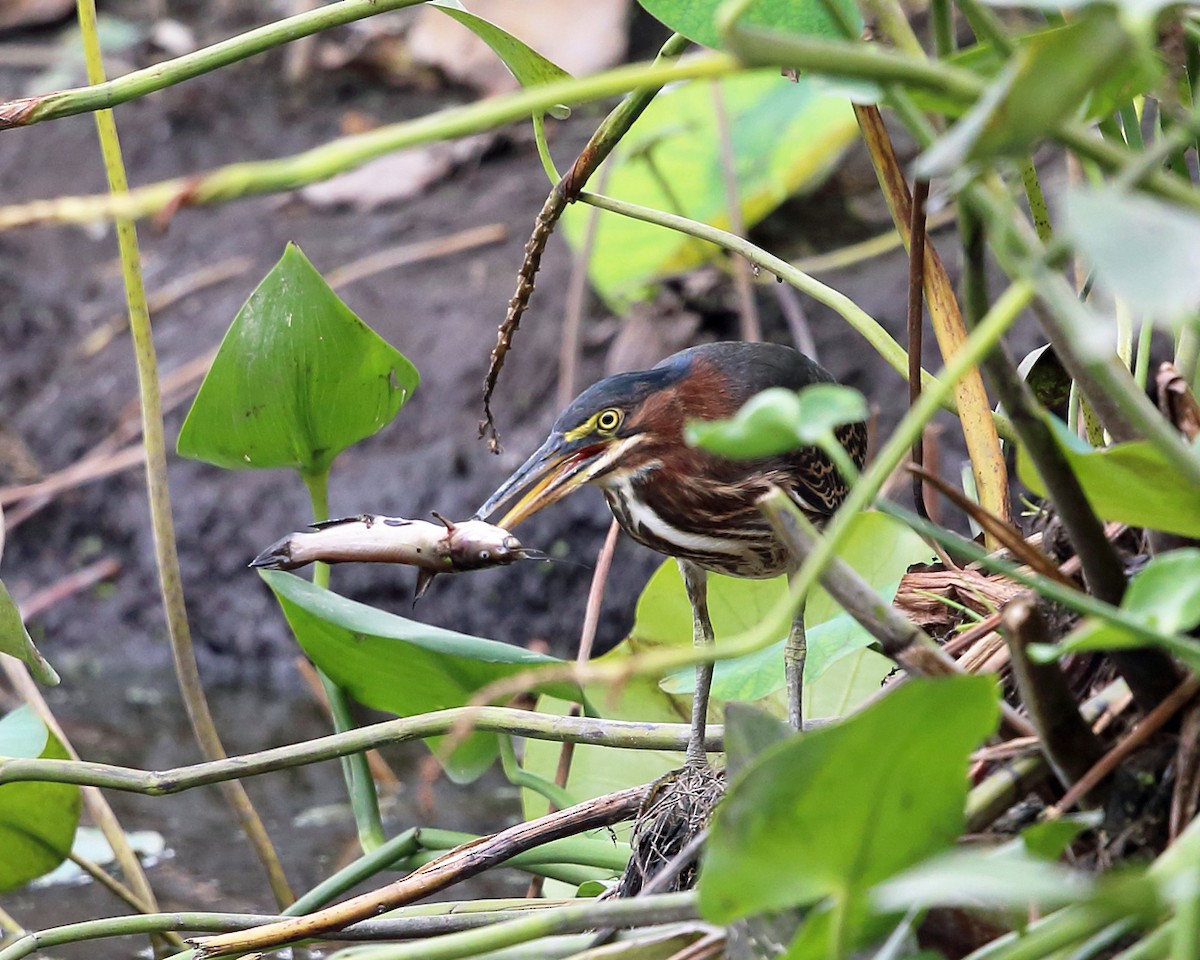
170, 578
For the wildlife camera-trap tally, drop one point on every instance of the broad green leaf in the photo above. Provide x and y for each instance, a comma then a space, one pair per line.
523, 62
697, 19
298, 378
1129, 483
1143, 250
1048, 80
779, 420
16, 642
1164, 596
37, 820
879, 547
838, 810
398, 665
1006, 878
786, 137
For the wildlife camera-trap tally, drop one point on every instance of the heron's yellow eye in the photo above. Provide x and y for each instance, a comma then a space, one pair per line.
608, 420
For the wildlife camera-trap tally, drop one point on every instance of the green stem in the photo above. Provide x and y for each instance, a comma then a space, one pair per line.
1185, 943
601, 852
356, 770
107, 94
634, 912
866, 325
383, 856
346, 153
166, 554
635, 735
987, 26
543, 148
424, 921
1141, 370
519, 777
1187, 352
942, 14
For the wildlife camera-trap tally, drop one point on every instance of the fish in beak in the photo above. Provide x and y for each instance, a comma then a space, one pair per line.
558, 467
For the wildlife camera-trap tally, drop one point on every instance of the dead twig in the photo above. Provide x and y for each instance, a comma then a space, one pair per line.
41, 601
1151, 723
601, 144
455, 865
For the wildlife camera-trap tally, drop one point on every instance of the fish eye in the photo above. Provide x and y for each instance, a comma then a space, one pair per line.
608, 420
485, 555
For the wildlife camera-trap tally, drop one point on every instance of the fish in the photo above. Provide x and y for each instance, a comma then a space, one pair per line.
433, 548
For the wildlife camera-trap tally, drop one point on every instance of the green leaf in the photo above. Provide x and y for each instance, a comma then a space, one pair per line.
1129, 483
16, 642
1048, 80
298, 378
37, 820
1006, 878
401, 666
786, 137
1144, 251
880, 548
1164, 596
697, 19
749, 731
838, 810
1050, 839
780, 420
1046, 376
526, 64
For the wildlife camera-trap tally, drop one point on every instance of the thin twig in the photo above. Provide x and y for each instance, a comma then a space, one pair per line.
601, 144
454, 866
749, 321
41, 601
1150, 724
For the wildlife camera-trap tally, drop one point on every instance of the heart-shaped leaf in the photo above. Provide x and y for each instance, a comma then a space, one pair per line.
298, 378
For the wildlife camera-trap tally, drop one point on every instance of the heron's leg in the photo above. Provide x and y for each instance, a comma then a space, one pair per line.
794, 653
695, 580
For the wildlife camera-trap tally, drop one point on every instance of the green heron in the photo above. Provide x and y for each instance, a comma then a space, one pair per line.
625, 436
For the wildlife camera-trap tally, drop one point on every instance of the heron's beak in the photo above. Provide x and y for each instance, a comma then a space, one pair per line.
556, 468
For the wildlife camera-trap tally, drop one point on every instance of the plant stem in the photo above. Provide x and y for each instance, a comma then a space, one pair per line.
360, 784
106, 94
415, 925
1150, 674
635, 735
634, 912
166, 555
520, 778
